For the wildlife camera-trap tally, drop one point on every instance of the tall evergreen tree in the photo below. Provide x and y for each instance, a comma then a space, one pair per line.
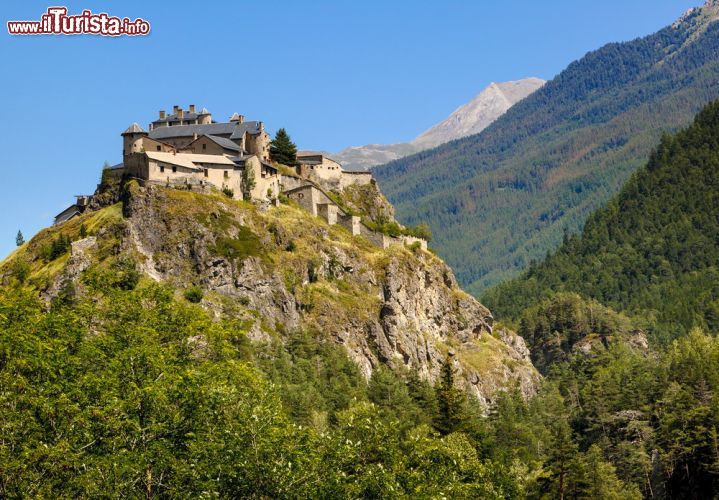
282, 149
19, 239
451, 402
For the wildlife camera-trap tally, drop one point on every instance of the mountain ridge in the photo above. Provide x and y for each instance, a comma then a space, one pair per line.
469, 118
505, 197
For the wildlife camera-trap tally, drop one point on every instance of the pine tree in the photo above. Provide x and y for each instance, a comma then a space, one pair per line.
451, 402
283, 150
19, 239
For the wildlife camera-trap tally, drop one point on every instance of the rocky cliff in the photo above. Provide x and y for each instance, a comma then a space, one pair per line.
279, 269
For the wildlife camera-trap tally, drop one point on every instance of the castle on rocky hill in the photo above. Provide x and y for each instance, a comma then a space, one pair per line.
189, 149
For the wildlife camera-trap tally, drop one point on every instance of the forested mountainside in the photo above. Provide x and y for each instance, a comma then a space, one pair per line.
652, 251
500, 199
637, 387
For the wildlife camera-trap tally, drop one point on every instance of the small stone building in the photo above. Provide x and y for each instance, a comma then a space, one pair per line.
326, 171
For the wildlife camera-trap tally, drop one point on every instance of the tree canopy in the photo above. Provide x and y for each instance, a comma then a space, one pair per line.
282, 149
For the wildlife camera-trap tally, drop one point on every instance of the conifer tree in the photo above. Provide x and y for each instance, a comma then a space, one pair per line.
451, 402
282, 149
19, 239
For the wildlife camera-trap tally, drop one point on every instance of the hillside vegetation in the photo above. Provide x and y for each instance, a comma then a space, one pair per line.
174, 343
500, 199
653, 251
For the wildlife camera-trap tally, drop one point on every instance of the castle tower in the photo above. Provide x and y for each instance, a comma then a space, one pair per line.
132, 139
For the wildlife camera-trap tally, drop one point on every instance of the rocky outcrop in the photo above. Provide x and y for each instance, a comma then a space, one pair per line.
79, 260
284, 270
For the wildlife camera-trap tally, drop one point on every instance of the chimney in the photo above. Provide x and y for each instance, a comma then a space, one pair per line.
261, 126
242, 119
162, 114
180, 113
175, 109
192, 108
194, 136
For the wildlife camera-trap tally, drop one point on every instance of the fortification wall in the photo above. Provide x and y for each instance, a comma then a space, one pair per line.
354, 178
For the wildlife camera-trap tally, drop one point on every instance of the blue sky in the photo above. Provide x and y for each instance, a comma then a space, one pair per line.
333, 73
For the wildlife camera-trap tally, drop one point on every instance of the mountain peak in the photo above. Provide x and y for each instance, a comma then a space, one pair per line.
473, 117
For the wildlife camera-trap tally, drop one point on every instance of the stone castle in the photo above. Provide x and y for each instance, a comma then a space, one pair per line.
189, 149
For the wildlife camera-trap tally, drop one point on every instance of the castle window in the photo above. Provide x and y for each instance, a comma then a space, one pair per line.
227, 175
204, 146
162, 168
207, 173
174, 169
159, 148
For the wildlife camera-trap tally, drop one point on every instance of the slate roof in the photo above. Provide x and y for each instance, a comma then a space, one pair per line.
224, 142
133, 129
309, 154
234, 130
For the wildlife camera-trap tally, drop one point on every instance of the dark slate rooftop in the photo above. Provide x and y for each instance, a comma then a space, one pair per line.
234, 130
224, 142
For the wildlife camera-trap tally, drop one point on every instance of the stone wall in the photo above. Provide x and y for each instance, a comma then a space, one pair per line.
289, 182
409, 240
328, 211
351, 222
352, 178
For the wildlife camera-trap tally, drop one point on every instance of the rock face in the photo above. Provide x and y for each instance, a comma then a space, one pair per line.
468, 119
280, 270
396, 307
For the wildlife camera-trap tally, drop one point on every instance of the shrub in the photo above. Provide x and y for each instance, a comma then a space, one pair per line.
420, 231
20, 269
59, 246
127, 274
194, 294
230, 193
415, 247
246, 244
291, 246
